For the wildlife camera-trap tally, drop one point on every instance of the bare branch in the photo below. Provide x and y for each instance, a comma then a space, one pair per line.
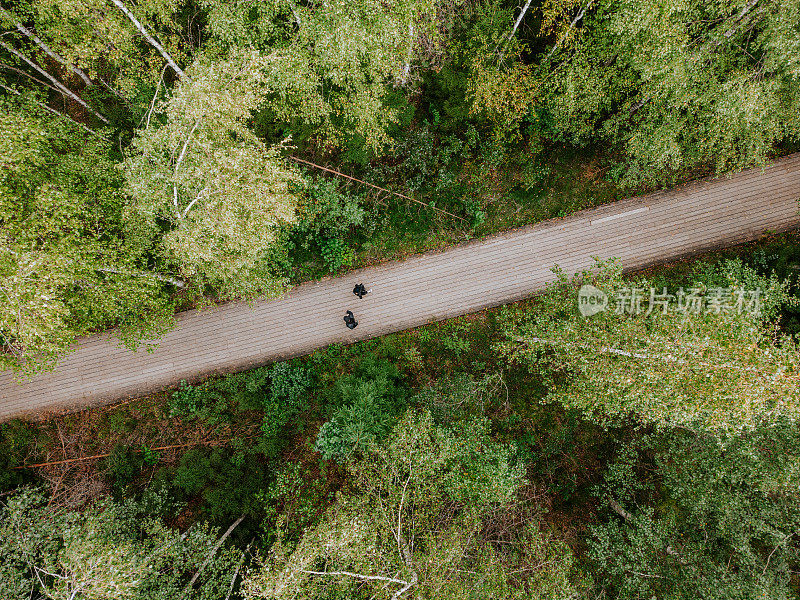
192, 203
153, 42
617, 508
296, 14
185, 146
407, 65
359, 576
155, 95
51, 53
61, 87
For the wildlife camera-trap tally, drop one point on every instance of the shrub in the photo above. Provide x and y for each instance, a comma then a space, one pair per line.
123, 464
336, 254
369, 402
289, 383
15, 437
194, 471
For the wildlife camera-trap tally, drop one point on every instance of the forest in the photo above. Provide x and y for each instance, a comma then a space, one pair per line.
164, 155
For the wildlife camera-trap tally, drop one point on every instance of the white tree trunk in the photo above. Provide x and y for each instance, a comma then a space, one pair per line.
519, 19
214, 551
53, 111
51, 53
577, 18
407, 65
166, 279
153, 42
61, 87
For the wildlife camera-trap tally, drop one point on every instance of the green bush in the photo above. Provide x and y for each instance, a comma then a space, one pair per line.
286, 398
336, 254
194, 471
289, 382
123, 464
15, 438
368, 403
226, 485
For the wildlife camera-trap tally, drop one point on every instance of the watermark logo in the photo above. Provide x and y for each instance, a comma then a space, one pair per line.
695, 300
591, 300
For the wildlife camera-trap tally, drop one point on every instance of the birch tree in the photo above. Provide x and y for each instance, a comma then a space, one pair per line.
713, 370
360, 49
225, 194
680, 85
411, 527
109, 551
699, 516
99, 42
65, 268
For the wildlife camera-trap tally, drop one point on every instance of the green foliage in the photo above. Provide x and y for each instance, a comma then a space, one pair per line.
336, 255
295, 500
123, 465
186, 400
224, 194
65, 266
368, 403
731, 374
227, 484
288, 396
194, 471
279, 392
327, 217
454, 341
109, 551
420, 518
289, 383
682, 86
15, 437
704, 517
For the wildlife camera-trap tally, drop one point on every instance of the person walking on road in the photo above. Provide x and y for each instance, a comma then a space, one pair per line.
361, 291
350, 320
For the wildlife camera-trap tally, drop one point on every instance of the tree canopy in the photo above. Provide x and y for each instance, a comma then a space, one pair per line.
714, 369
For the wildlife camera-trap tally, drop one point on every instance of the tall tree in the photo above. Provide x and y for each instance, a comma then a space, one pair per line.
695, 516
672, 86
714, 369
681, 85
334, 64
109, 551
411, 527
99, 42
224, 194
65, 266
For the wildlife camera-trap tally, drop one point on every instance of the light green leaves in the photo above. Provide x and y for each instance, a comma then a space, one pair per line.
715, 371
224, 193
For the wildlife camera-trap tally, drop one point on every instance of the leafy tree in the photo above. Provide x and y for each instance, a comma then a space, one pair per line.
695, 83
717, 518
357, 49
107, 551
222, 192
673, 86
726, 371
97, 42
65, 266
412, 525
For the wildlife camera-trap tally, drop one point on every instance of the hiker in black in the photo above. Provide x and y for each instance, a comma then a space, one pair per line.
350, 320
360, 290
